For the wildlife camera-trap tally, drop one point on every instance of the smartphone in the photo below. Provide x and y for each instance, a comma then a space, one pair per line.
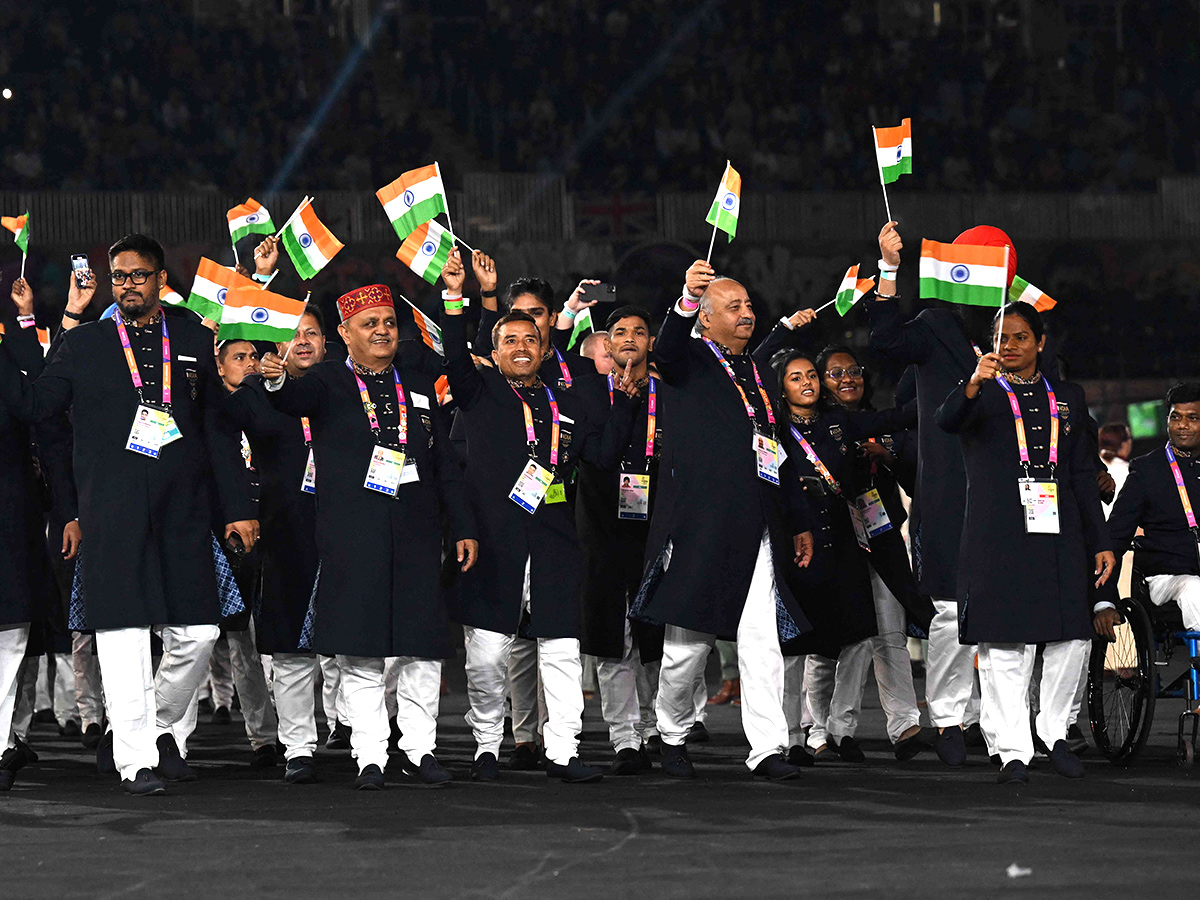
601, 293
80, 266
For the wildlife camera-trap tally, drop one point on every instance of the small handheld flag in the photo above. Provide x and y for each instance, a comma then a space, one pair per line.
431, 334
426, 250
893, 156
1025, 292
309, 243
171, 297
254, 314
413, 199
211, 288
19, 226
250, 217
583, 325
849, 292
723, 213
964, 273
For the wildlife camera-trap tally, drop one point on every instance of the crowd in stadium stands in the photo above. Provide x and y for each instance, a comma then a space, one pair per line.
102, 100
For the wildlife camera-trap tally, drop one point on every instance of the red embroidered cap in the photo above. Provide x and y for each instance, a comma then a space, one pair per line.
367, 297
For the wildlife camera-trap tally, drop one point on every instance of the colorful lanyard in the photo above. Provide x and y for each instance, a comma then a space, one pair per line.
307, 431
816, 460
562, 364
369, 407
1022, 445
132, 363
531, 435
732, 377
651, 413
1183, 494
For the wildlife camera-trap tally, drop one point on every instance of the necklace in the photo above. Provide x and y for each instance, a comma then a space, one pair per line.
801, 419
1179, 452
1017, 379
363, 370
516, 383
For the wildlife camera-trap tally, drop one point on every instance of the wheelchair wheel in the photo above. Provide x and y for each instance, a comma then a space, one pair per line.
1121, 686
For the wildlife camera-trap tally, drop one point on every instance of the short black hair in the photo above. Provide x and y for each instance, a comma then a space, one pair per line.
311, 309
1112, 435
628, 311
142, 245
539, 287
1027, 312
515, 316
223, 346
1187, 392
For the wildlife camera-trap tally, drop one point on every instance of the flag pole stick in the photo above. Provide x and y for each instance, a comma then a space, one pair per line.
24, 255
236, 261
449, 224
826, 306
269, 280
711, 241
460, 240
1000, 324
303, 203
288, 350
887, 206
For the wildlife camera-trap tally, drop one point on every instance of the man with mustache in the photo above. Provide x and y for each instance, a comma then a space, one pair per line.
151, 453
728, 525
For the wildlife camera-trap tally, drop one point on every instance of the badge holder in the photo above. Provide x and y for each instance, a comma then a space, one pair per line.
633, 497
151, 431
532, 486
309, 484
1039, 500
766, 455
875, 516
385, 471
858, 520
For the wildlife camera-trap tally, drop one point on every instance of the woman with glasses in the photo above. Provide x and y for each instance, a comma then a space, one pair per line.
1034, 538
821, 440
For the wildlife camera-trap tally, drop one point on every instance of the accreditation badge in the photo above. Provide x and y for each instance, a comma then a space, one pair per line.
766, 454
387, 466
309, 484
146, 434
531, 487
633, 497
409, 475
1039, 500
171, 431
874, 513
859, 521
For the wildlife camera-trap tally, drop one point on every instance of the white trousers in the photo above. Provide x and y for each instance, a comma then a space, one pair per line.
685, 654
142, 706
619, 699
22, 719
949, 668
331, 690
1005, 672
295, 678
362, 708
262, 727
390, 674
526, 694
1181, 589
645, 676
793, 699
87, 680
220, 680
56, 687
418, 697
13, 639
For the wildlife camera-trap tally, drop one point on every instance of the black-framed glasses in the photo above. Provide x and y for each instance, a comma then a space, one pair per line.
840, 373
137, 276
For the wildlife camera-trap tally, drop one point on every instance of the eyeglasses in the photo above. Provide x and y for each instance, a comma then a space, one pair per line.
839, 374
138, 276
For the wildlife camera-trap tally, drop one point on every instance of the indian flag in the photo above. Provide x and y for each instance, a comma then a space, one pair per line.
1025, 292
426, 250
583, 324
442, 388
413, 199
43, 336
728, 202
170, 296
309, 243
250, 217
253, 314
893, 151
211, 288
964, 273
431, 334
851, 290
19, 226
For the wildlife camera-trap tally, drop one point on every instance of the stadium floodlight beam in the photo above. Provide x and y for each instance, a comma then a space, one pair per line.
341, 80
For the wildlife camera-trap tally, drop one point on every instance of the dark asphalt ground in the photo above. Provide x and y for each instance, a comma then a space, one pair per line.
873, 830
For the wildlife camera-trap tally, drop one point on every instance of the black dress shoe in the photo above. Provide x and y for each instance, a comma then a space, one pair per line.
206, 706
369, 779
800, 758
697, 734
222, 716
10, 762
170, 764
430, 772
776, 768
1014, 772
627, 762
1077, 741
907, 748
973, 736
104, 755
393, 736
847, 748
70, 729
675, 762
526, 758
574, 772
27, 753
485, 768
950, 747
91, 736
300, 770
264, 757
653, 745
1064, 762
144, 784
339, 737
44, 717
6, 780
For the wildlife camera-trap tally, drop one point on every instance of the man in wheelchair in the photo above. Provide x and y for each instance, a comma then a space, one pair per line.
1157, 497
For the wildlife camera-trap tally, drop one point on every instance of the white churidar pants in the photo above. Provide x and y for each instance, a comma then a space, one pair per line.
685, 654
362, 708
619, 700
528, 698
418, 698
295, 677
13, 639
793, 699
1181, 589
261, 725
949, 669
331, 691
87, 680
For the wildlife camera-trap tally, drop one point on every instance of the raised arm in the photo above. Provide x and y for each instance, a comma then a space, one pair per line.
956, 412
291, 396
777, 338
903, 341
466, 384
30, 400
671, 348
